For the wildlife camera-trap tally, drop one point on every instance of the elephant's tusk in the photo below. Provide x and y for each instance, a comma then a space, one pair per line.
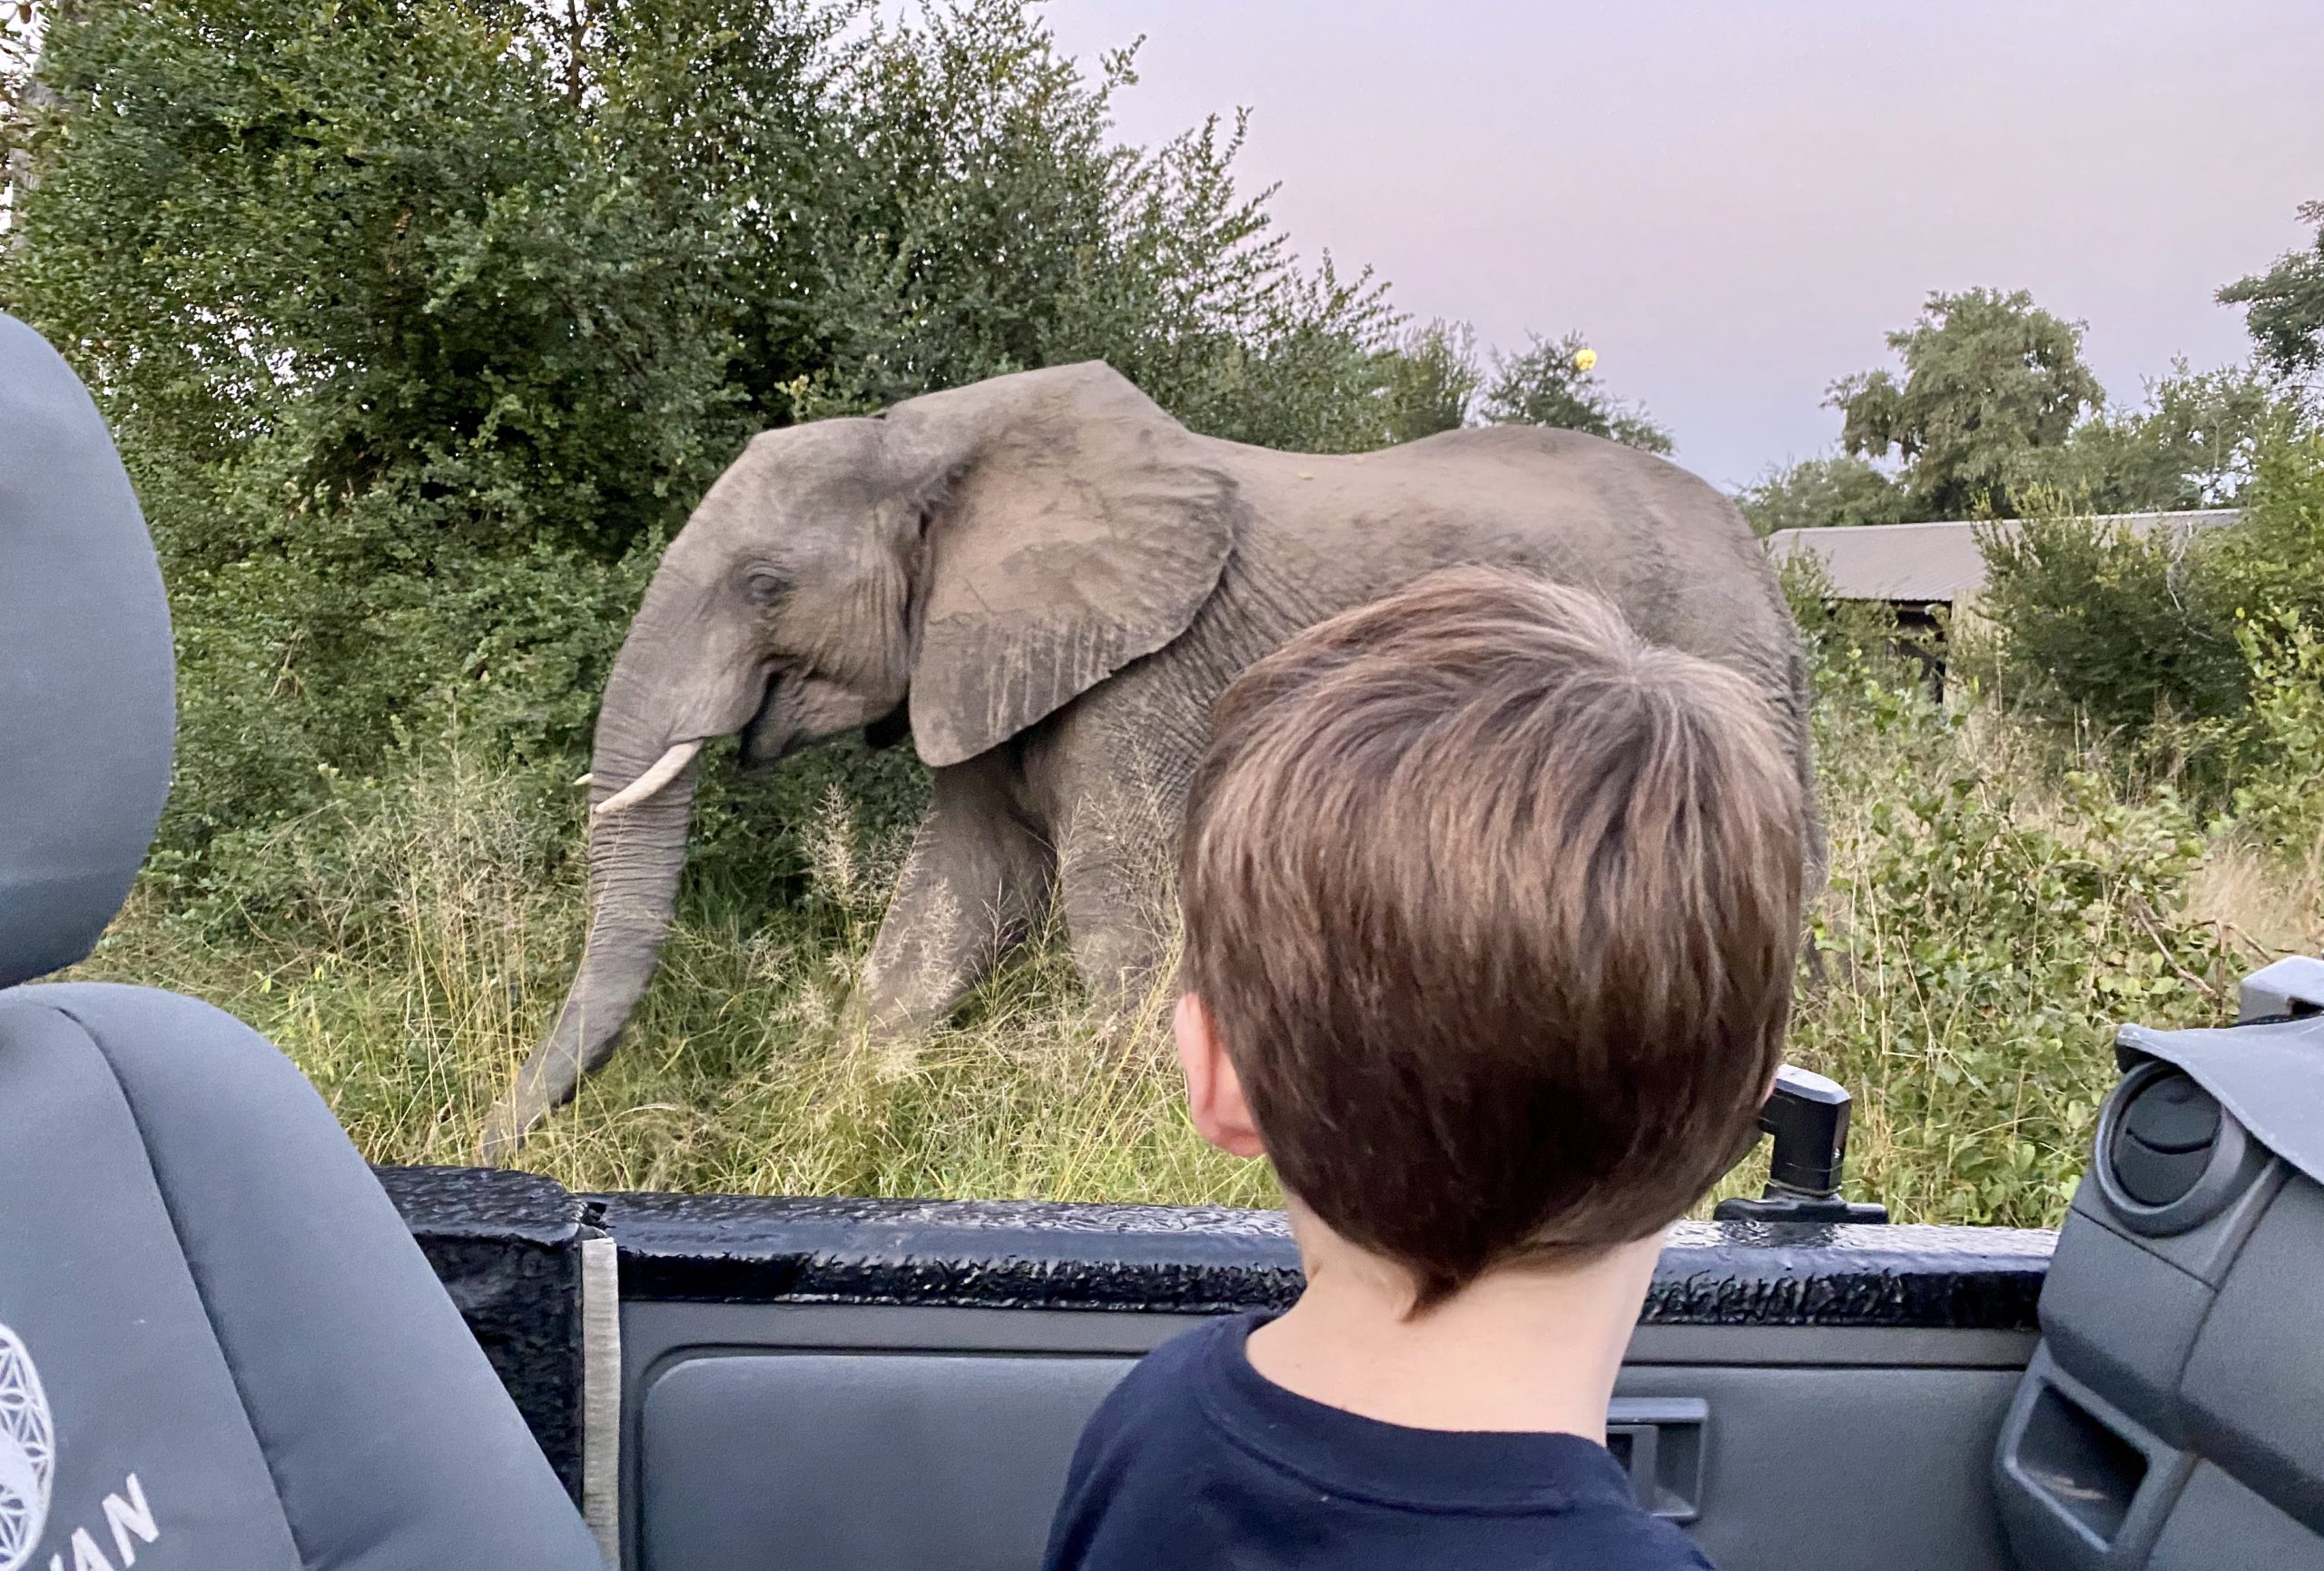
666, 769
586, 780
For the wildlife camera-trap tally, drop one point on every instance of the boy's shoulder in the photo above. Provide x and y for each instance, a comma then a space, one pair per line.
1158, 1399
1176, 1359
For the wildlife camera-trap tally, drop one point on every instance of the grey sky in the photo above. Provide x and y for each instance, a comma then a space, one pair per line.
1736, 200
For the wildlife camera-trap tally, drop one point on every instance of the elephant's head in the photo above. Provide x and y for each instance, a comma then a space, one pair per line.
973, 558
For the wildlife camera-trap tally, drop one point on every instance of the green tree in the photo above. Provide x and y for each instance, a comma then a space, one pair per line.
2284, 306
1816, 493
2110, 627
2193, 444
1431, 380
1992, 385
2121, 629
1554, 382
421, 323
2271, 563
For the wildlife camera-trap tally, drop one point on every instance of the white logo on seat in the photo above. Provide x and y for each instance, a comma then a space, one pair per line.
27, 1454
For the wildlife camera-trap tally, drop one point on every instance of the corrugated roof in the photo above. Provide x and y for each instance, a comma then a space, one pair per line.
1934, 563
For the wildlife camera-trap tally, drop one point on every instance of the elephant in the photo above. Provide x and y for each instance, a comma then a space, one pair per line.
1048, 580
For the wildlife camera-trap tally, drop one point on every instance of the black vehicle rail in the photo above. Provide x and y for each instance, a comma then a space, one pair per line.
508, 1247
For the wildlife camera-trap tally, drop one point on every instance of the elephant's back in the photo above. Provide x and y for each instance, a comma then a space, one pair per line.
1324, 535
1675, 554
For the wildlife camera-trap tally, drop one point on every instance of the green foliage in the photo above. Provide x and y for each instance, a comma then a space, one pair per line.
422, 324
1853, 633
1553, 382
2284, 306
2109, 625
1985, 935
2279, 797
1991, 384
2272, 562
2168, 641
20, 27
1433, 380
1816, 493
2193, 445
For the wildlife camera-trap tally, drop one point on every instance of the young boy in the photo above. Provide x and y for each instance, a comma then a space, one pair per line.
1491, 916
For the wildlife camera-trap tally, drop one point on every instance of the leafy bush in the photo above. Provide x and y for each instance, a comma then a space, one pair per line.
2273, 560
422, 324
1861, 634
2279, 794
1984, 934
2101, 624
2149, 637
1818, 493
1553, 382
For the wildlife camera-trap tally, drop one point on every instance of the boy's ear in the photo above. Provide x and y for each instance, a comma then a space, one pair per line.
1213, 1092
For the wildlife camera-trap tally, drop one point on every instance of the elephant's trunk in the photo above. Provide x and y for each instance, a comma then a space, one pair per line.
637, 853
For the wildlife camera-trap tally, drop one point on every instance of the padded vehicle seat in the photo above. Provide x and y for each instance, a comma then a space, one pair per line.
219, 1346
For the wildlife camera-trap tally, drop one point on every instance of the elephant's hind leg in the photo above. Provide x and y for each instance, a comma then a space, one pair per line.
976, 882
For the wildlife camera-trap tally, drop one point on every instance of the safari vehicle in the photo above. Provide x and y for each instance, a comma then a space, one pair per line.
219, 1345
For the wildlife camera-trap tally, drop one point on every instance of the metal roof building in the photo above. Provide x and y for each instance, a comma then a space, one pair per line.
1935, 564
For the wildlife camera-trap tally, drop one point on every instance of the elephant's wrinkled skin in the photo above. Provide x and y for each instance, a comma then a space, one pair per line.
1054, 580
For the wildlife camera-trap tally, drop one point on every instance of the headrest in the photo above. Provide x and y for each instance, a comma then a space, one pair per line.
87, 714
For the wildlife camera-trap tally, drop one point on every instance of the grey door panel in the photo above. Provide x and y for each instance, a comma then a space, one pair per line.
847, 1460
880, 1439
1817, 1469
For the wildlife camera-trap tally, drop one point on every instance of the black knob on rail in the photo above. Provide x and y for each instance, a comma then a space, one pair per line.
1807, 1114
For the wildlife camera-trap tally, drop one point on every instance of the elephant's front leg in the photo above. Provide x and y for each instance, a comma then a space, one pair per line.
976, 882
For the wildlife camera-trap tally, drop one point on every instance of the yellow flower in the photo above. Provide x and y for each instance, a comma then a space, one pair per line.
1583, 359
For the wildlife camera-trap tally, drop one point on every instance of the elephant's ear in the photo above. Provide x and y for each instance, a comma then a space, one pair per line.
1072, 527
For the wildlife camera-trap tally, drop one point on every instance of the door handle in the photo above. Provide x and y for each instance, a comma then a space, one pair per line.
1659, 1441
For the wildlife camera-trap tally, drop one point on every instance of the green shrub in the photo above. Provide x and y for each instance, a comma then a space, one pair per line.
1819, 493
2106, 625
421, 325
1854, 634
2277, 800
1982, 938
2144, 637
2272, 562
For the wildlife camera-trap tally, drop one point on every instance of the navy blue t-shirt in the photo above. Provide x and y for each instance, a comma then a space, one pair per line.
1197, 1460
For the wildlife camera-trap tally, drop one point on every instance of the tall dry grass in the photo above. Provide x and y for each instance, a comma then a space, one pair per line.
1993, 913
409, 1017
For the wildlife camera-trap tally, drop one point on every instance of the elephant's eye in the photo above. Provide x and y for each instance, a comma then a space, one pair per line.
764, 588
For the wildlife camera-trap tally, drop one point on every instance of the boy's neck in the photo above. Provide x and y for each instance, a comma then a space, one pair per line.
1523, 1347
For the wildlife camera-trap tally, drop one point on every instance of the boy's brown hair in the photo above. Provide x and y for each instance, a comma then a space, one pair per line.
1495, 907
